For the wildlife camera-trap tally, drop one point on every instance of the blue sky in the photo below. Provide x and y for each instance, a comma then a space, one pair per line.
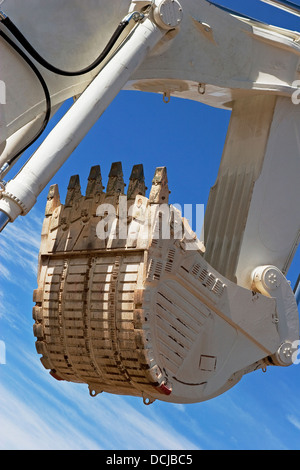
36, 412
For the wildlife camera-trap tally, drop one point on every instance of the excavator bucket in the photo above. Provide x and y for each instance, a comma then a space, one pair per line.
127, 304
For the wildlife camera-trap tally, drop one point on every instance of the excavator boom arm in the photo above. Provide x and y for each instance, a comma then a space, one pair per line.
156, 312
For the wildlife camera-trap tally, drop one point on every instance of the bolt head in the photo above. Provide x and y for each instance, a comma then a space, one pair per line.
285, 354
168, 14
271, 279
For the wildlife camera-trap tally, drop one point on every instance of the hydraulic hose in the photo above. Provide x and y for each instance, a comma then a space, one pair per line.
46, 92
12, 28
36, 56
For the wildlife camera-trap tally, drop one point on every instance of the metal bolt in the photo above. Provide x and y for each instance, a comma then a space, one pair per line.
287, 352
271, 279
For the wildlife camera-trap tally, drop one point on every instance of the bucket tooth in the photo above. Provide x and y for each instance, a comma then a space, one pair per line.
74, 191
94, 185
116, 185
53, 200
51, 221
159, 193
136, 183
127, 304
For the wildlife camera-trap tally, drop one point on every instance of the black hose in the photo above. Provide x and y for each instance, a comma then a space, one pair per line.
46, 91
35, 55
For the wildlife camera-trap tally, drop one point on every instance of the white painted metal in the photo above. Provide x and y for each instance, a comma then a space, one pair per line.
69, 34
253, 214
225, 52
20, 138
233, 301
270, 281
157, 320
168, 14
20, 194
273, 226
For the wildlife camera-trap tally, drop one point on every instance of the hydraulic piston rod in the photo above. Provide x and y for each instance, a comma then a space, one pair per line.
4, 220
285, 5
21, 193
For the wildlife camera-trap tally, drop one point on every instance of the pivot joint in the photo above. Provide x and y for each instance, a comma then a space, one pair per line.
168, 14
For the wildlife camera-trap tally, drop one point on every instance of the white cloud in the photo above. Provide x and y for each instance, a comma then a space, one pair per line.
44, 414
4, 272
25, 427
36, 412
19, 245
294, 421
19, 248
